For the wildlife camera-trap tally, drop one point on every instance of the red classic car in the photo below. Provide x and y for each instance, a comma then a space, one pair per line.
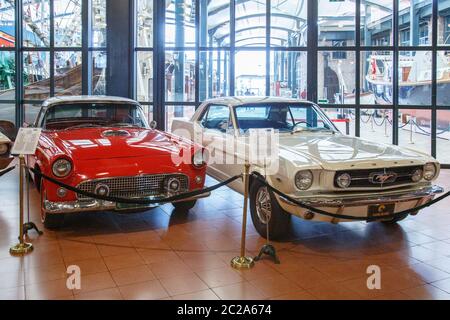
105, 146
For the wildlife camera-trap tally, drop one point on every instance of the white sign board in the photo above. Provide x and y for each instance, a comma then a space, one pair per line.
26, 141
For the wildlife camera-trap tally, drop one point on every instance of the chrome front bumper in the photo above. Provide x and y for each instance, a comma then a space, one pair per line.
91, 205
358, 205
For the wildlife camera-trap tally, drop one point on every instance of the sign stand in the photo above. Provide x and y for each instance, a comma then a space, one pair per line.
22, 247
26, 143
243, 262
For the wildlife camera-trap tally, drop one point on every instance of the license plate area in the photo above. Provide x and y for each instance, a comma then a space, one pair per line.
378, 211
129, 206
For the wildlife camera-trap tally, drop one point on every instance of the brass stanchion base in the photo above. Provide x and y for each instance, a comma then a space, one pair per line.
21, 249
242, 263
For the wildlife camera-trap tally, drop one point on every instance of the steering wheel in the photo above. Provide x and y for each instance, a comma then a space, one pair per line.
301, 122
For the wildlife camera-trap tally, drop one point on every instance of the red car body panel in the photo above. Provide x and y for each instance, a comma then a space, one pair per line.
96, 156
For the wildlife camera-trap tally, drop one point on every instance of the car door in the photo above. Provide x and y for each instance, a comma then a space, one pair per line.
217, 127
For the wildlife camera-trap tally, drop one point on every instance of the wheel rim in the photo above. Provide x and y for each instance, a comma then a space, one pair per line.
263, 205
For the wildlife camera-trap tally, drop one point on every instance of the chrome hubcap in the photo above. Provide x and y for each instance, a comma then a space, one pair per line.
263, 205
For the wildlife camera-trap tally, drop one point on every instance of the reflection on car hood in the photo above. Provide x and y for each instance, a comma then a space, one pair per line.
99, 143
334, 152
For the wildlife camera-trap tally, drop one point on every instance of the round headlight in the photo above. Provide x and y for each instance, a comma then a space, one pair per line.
417, 175
61, 168
344, 180
199, 160
304, 180
429, 171
3, 149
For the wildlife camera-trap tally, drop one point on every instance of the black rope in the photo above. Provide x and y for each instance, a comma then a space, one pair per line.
178, 197
2, 173
343, 216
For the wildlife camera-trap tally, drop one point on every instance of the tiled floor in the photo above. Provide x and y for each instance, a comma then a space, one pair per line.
163, 255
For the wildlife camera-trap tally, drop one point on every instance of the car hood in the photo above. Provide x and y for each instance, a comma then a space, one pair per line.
338, 152
103, 143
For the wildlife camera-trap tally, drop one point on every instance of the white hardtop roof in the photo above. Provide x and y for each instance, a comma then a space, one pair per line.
86, 99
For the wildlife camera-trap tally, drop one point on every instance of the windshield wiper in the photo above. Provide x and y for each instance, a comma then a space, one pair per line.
125, 125
295, 130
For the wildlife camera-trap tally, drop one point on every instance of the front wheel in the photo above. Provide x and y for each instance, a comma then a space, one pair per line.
184, 206
50, 221
266, 211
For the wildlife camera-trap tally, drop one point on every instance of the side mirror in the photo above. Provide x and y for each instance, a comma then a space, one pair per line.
153, 124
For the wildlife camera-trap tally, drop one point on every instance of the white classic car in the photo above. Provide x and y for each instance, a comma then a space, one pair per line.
317, 164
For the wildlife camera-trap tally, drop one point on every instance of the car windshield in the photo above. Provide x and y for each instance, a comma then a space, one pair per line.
81, 115
284, 117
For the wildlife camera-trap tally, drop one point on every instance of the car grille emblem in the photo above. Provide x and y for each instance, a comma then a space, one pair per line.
383, 177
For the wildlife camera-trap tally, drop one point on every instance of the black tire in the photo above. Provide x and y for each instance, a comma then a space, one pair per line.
279, 222
184, 206
54, 221
395, 220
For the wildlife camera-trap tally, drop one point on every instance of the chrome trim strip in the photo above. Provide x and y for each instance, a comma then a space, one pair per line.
99, 205
427, 192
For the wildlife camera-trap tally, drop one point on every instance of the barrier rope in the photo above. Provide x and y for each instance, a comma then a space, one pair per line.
2, 173
343, 216
178, 197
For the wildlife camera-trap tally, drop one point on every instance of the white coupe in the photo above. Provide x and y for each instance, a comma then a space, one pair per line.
317, 164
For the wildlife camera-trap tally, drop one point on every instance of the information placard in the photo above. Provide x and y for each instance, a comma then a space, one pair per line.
26, 141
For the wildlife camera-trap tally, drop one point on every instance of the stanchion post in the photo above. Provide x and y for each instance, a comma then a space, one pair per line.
22, 247
386, 118
372, 121
411, 122
243, 262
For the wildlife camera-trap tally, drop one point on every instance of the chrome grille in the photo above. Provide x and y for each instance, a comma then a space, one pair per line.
364, 178
134, 187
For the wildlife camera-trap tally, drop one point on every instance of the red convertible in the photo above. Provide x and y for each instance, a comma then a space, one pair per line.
104, 145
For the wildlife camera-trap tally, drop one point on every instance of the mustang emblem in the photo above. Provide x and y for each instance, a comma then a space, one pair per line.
382, 178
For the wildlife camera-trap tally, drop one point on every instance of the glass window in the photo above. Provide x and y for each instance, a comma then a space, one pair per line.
288, 21
98, 23
180, 76
414, 77
178, 112
68, 73
144, 23
376, 77
180, 23
251, 23
7, 75
343, 119
336, 78
336, 22
36, 23
7, 23
288, 76
250, 72
414, 129
376, 125
214, 23
31, 112
443, 78
376, 22
67, 23
8, 112
144, 72
214, 74
217, 118
415, 22
99, 72
284, 117
36, 79
443, 136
